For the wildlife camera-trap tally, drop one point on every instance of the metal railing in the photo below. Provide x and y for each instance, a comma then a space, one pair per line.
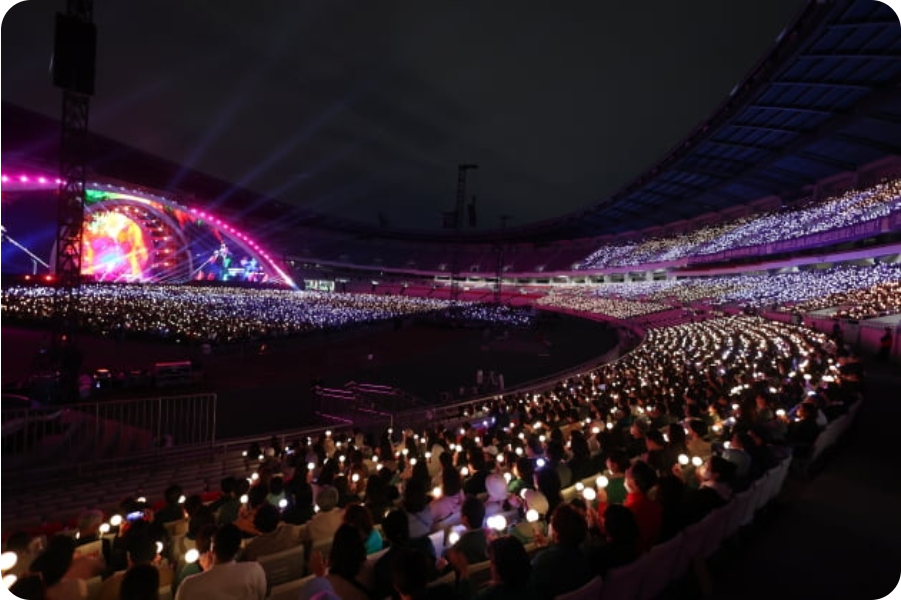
88, 434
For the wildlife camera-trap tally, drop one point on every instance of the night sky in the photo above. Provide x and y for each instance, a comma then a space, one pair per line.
361, 108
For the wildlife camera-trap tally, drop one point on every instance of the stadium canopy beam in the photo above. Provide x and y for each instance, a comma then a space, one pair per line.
865, 55
768, 128
856, 24
820, 84
834, 162
794, 108
740, 145
870, 143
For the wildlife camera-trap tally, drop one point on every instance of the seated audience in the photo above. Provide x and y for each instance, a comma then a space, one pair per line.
640, 478
141, 550
511, 572
621, 540
360, 517
473, 543
324, 523
225, 578
53, 565
140, 582
351, 576
563, 566
397, 530
274, 537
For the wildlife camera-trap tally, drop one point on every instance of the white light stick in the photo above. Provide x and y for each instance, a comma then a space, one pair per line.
192, 555
8, 560
602, 481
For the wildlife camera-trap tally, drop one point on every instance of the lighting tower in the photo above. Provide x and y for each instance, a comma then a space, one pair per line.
499, 266
458, 226
73, 72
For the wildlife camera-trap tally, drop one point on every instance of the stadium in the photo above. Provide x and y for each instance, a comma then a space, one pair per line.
712, 345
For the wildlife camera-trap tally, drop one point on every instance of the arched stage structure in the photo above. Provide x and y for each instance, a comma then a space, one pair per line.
132, 236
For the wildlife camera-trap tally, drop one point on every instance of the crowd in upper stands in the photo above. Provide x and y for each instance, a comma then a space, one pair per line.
850, 208
226, 315
662, 437
588, 301
872, 290
877, 301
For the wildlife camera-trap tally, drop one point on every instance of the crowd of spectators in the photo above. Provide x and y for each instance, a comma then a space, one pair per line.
862, 291
591, 301
227, 315
664, 436
760, 291
836, 212
877, 301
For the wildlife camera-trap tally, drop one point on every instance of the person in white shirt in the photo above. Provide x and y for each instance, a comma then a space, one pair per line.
225, 579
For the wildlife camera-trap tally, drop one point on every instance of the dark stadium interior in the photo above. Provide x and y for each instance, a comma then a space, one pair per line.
668, 224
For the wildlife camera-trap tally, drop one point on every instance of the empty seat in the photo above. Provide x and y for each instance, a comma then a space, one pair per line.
283, 567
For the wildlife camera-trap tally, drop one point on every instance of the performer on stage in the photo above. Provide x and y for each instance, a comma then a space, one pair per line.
223, 260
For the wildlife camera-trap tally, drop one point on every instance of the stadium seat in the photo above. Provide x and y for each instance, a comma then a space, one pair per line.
283, 567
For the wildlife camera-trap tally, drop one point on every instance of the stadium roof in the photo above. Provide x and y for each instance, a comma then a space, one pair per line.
824, 101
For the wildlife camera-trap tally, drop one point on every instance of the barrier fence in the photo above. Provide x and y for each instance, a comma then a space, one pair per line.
88, 434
